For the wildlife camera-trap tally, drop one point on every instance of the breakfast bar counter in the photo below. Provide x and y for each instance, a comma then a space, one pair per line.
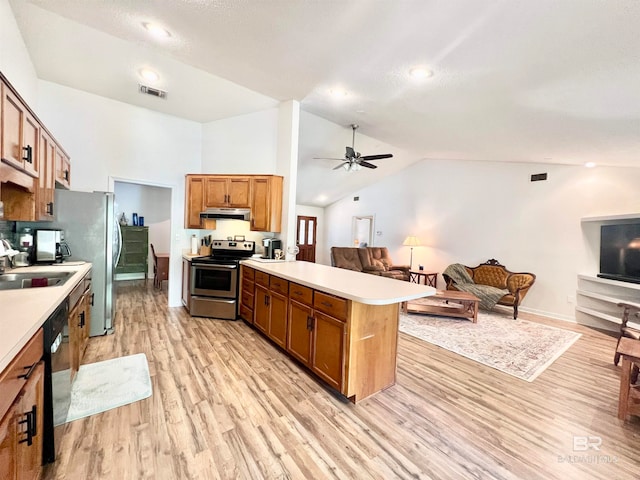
359, 287
340, 324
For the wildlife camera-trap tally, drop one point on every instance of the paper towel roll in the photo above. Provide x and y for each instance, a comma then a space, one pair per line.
194, 245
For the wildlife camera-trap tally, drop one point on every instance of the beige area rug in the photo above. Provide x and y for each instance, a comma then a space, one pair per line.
518, 347
101, 386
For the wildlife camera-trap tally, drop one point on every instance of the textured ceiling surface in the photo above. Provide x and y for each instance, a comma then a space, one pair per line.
530, 81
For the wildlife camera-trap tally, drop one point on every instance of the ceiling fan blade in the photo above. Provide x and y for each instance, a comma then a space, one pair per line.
367, 164
350, 153
327, 158
377, 157
340, 166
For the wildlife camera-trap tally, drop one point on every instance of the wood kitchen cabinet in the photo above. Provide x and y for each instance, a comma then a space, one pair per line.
30, 158
21, 413
261, 193
79, 322
247, 292
20, 134
271, 307
63, 169
349, 345
266, 203
226, 192
194, 201
46, 180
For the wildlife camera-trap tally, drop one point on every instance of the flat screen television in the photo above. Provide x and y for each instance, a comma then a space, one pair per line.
620, 252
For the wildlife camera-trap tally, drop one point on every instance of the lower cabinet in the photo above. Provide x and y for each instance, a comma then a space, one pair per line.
80, 303
299, 332
261, 309
350, 346
21, 413
327, 360
247, 292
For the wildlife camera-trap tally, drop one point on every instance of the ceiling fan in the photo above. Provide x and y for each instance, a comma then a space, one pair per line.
352, 160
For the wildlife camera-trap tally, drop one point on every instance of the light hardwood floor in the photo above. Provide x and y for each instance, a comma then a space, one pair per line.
228, 404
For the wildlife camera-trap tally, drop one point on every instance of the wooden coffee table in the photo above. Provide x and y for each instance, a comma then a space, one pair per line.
448, 303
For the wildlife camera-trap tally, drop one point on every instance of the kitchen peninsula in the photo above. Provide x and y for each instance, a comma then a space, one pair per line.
342, 325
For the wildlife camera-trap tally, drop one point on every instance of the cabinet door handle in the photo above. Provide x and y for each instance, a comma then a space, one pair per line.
92, 298
310, 322
30, 369
50, 208
28, 154
30, 426
66, 175
268, 300
81, 324
327, 304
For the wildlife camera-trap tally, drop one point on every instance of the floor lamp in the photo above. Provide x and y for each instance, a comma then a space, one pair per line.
411, 241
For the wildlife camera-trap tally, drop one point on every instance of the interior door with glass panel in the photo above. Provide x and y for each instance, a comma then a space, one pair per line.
306, 238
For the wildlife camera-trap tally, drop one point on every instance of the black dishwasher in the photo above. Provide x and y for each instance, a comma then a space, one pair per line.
57, 377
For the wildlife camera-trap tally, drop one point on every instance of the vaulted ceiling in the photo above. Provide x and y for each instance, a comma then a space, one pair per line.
544, 81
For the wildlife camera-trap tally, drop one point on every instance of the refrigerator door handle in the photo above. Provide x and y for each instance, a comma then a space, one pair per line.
119, 244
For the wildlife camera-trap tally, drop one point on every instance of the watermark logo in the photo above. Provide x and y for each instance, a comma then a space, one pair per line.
589, 444
583, 444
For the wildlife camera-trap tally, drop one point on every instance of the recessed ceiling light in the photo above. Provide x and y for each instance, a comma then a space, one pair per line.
149, 75
156, 30
338, 92
420, 72
590, 164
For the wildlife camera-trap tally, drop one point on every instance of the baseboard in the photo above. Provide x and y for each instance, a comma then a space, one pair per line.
578, 319
128, 276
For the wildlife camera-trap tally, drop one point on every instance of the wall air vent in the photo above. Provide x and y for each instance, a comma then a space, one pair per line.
538, 177
154, 92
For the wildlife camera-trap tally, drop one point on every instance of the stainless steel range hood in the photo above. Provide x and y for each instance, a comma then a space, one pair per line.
227, 213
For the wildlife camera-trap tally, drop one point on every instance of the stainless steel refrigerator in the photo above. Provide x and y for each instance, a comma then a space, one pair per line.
93, 234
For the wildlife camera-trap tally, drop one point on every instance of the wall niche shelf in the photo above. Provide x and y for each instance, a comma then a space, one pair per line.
597, 300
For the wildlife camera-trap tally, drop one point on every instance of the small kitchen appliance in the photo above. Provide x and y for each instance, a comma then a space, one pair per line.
270, 246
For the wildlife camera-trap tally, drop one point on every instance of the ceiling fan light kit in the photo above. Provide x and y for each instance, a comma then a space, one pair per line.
352, 160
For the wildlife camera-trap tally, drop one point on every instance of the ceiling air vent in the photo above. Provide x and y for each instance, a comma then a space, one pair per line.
154, 92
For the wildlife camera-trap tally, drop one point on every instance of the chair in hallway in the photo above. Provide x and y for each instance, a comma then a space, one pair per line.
160, 267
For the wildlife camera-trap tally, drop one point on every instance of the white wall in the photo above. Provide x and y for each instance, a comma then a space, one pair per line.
110, 140
242, 144
15, 62
468, 212
152, 203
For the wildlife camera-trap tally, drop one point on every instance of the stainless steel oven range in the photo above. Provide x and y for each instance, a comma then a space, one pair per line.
215, 279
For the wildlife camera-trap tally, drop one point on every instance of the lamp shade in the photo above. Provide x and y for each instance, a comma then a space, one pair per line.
411, 241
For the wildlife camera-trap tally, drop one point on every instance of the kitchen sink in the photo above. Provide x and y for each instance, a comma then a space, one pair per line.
14, 281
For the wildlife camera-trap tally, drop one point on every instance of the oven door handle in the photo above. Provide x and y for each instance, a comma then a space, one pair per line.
208, 266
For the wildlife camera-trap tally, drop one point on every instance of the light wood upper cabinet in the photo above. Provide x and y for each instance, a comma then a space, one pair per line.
229, 192
20, 134
46, 180
261, 193
266, 203
32, 161
63, 169
194, 201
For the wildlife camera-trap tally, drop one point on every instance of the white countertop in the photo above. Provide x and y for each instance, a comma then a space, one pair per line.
360, 287
23, 311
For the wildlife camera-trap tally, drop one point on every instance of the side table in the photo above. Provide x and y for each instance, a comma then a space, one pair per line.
426, 278
629, 400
